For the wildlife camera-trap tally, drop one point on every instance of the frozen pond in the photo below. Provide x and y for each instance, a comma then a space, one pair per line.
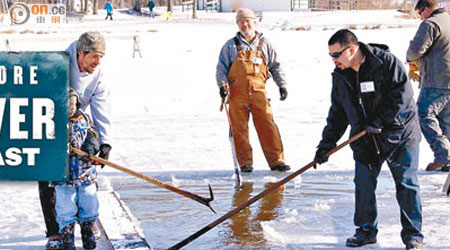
314, 211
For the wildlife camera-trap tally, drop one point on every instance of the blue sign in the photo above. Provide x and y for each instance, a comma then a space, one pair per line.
34, 116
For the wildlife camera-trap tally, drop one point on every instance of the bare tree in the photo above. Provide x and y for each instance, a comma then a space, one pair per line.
137, 5
170, 5
95, 7
4, 6
86, 3
69, 6
194, 9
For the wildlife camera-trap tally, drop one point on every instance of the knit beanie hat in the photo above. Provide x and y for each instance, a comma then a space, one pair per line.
91, 41
245, 13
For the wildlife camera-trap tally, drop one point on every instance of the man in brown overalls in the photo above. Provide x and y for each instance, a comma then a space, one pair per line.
245, 63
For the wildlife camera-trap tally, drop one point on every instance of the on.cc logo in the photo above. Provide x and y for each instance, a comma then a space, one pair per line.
19, 13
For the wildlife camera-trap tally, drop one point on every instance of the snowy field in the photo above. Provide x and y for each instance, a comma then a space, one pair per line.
167, 124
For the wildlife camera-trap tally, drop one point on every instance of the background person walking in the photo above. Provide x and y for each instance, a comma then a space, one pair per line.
109, 10
151, 6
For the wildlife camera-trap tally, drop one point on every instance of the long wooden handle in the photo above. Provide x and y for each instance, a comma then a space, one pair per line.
263, 193
187, 194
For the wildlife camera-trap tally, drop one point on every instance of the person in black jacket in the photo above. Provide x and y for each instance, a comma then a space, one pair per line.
371, 92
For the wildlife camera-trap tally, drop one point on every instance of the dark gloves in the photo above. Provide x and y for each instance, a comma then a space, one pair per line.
91, 146
87, 158
373, 130
223, 92
104, 152
321, 156
283, 93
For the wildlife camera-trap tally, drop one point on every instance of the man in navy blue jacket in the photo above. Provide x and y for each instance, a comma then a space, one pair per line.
371, 92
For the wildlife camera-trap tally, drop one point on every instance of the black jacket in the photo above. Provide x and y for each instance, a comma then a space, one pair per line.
390, 106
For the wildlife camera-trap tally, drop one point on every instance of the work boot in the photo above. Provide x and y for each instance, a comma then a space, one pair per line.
414, 244
361, 238
68, 242
246, 168
87, 235
281, 167
434, 166
54, 242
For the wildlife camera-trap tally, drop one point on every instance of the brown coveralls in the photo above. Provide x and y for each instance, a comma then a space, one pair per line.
247, 77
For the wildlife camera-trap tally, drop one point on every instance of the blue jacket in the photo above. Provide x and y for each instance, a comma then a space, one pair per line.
389, 105
83, 136
109, 7
151, 5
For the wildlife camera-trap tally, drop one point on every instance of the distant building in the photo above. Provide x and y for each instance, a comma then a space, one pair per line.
312, 5
257, 5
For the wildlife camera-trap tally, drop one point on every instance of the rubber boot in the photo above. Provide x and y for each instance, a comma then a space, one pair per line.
54, 242
68, 237
87, 235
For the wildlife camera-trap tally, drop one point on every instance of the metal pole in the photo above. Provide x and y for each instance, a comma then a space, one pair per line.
230, 135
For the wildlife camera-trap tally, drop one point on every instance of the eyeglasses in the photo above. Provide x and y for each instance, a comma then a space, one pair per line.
336, 55
421, 11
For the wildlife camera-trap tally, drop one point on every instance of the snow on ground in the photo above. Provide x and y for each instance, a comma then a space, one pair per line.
167, 119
